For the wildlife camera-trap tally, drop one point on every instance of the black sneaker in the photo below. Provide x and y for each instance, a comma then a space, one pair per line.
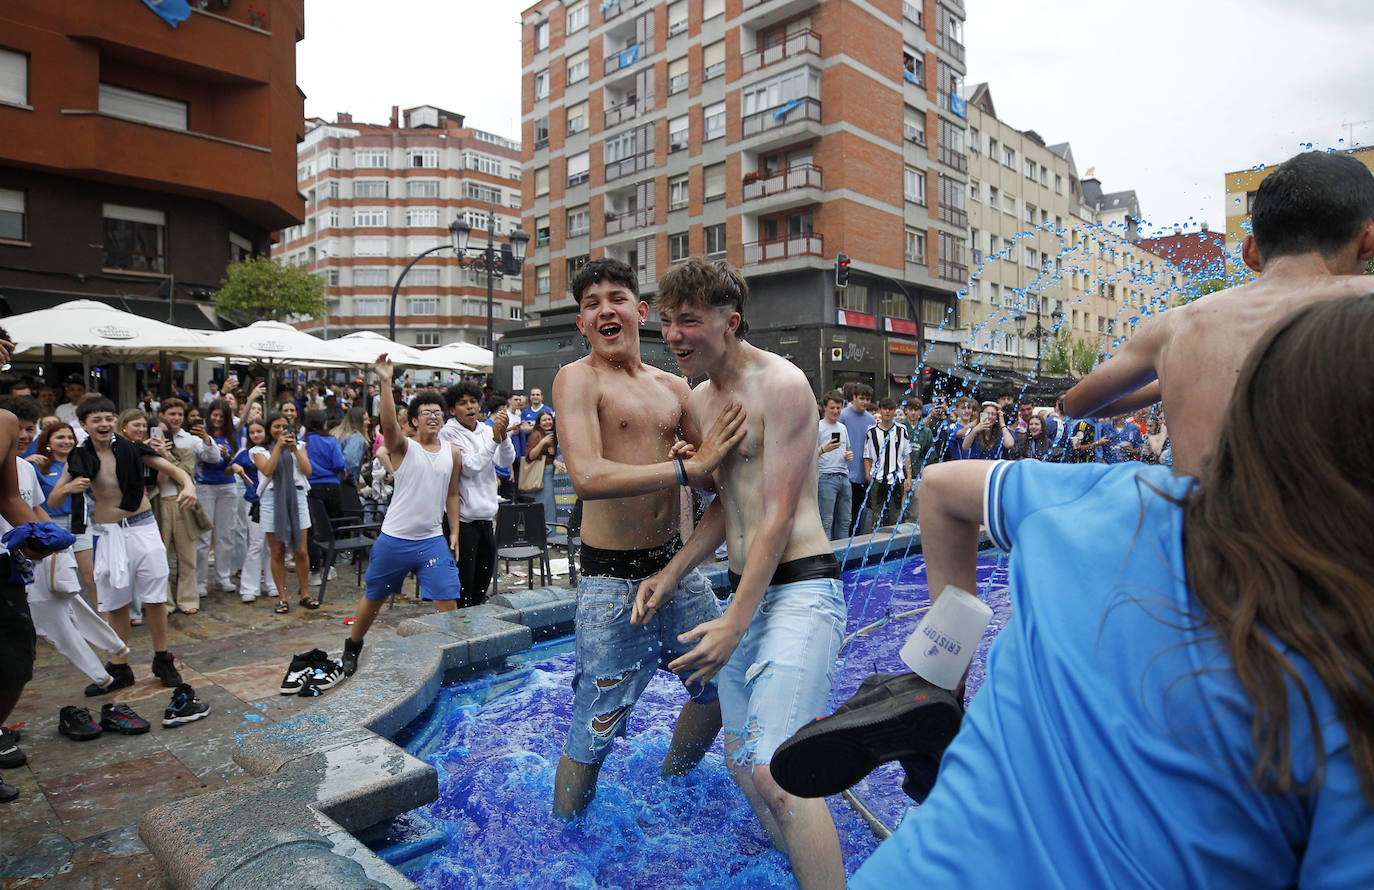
8, 793
302, 666
890, 717
350, 657
10, 755
122, 719
184, 707
164, 668
121, 677
76, 724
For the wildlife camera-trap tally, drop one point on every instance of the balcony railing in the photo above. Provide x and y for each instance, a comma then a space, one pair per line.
911, 12
951, 46
955, 217
789, 113
952, 271
630, 220
809, 244
624, 58
612, 8
794, 45
801, 176
618, 114
626, 166
952, 157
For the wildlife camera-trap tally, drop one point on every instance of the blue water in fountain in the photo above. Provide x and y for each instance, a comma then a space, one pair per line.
496, 738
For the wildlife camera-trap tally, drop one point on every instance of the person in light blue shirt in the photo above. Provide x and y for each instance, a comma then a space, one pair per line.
1123, 441
1198, 713
857, 421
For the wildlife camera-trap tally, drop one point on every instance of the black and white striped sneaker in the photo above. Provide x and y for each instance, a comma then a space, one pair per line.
328, 673
302, 666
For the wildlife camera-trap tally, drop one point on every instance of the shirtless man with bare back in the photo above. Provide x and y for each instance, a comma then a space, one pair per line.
1312, 234
619, 420
773, 651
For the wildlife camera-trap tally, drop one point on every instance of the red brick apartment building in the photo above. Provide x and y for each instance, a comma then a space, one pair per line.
773, 133
378, 195
138, 159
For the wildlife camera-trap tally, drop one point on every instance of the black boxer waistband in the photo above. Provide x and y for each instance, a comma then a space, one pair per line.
628, 565
806, 568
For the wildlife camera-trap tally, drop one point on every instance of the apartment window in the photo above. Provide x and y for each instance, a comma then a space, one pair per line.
143, 107
1009, 204
577, 168
484, 193
1030, 213
423, 157
541, 132
913, 69
135, 238
973, 138
1030, 169
933, 311
541, 181
974, 190
579, 220
712, 8
240, 248
715, 121
577, 118
541, 84
13, 214
677, 75
541, 36
514, 313
992, 148
329, 160
677, 247
914, 185
422, 278
1008, 157
617, 148
369, 159
1031, 257
799, 83
1058, 184
541, 280
895, 305
974, 239
329, 189
677, 133
577, 16
422, 218
994, 197
369, 278
994, 295
369, 247
677, 17
1044, 175
422, 306
369, 188
715, 240
577, 262
331, 279
422, 188
1059, 224
369, 217
370, 306
486, 163
714, 187
677, 192
713, 58
426, 338
14, 77
1101, 325
1111, 291
577, 67
915, 246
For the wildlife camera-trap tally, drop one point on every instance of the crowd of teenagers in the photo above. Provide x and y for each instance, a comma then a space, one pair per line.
1195, 710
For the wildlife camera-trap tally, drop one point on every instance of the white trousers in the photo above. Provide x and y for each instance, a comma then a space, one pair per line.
257, 566
129, 560
68, 622
218, 501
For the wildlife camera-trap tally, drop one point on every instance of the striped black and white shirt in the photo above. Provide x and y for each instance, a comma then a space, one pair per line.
888, 450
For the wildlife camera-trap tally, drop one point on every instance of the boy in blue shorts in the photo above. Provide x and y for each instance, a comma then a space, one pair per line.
426, 472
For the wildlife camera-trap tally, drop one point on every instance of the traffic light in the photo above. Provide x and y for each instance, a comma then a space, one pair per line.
841, 270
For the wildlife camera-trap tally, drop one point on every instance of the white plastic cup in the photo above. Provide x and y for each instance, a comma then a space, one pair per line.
943, 644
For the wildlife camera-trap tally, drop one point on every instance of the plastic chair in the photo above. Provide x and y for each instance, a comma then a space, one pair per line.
520, 535
570, 538
347, 532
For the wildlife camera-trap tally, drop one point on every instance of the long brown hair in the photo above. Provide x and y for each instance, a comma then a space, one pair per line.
1277, 534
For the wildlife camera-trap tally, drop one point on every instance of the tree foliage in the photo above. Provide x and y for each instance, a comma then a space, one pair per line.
1196, 289
261, 287
1066, 354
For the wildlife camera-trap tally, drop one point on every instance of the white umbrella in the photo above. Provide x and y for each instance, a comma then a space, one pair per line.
81, 328
361, 348
463, 353
273, 342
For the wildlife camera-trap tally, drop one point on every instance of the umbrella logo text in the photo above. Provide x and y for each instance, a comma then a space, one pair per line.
113, 332
270, 346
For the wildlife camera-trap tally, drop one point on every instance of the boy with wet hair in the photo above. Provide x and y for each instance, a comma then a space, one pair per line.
774, 649
618, 421
1312, 233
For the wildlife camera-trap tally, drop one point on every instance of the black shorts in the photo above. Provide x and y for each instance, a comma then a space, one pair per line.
18, 642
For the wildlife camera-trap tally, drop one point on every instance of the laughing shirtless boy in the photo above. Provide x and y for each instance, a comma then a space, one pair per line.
618, 420
774, 649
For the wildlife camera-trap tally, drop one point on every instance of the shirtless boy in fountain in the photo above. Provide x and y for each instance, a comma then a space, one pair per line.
773, 652
618, 419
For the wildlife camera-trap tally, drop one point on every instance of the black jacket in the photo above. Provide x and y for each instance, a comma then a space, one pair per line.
84, 462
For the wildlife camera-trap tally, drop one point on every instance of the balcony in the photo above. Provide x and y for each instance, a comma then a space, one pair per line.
951, 46
954, 216
952, 271
794, 112
911, 12
802, 176
624, 58
626, 166
953, 157
618, 114
612, 8
629, 221
808, 245
795, 45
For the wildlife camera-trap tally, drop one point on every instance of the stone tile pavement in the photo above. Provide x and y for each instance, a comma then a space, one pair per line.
75, 822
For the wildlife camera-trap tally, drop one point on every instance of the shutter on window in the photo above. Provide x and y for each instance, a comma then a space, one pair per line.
647, 257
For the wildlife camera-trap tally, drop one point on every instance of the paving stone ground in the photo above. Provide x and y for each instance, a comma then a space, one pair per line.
74, 824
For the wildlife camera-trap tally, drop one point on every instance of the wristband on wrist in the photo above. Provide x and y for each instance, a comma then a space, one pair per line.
681, 471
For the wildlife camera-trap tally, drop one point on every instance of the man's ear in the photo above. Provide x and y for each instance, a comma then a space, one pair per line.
643, 310
1250, 254
732, 323
1366, 241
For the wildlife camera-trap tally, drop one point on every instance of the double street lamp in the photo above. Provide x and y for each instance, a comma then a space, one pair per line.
488, 259
1038, 332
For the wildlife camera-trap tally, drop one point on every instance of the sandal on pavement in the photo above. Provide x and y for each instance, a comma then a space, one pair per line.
188, 611
282, 607
308, 603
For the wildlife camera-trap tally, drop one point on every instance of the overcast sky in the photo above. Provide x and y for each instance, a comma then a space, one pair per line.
1160, 97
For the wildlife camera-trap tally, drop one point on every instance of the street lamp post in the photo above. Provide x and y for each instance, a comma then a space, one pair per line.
459, 232
1039, 332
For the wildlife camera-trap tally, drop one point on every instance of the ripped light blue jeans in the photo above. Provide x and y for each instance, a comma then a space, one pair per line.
779, 678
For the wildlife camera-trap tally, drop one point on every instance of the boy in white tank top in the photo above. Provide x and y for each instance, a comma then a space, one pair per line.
426, 475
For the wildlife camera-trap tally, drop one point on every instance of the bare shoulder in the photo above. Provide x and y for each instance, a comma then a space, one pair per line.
674, 382
779, 377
